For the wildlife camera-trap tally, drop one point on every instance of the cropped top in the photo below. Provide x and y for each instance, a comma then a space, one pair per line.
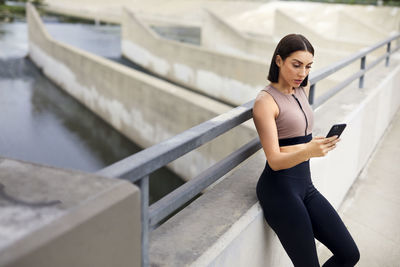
296, 116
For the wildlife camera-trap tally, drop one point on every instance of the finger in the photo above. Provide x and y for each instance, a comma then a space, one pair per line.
329, 145
334, 141
333, 137
326, 151
337, 140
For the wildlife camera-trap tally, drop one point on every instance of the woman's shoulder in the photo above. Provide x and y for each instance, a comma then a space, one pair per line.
263, 102
263, 96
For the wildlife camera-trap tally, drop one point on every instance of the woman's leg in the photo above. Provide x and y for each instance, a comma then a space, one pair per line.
330, 230
285, 212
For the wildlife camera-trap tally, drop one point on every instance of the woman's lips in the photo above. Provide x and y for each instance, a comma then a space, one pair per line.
298, 81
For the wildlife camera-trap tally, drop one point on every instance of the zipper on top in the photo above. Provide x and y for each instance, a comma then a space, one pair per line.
298, 102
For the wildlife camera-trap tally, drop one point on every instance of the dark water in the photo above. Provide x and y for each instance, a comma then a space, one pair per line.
40, 123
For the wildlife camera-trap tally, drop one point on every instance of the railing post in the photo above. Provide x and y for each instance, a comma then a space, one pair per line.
361, 81
311, 94
144, 200
388, 51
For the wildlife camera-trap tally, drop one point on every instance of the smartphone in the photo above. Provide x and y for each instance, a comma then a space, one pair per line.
336, 129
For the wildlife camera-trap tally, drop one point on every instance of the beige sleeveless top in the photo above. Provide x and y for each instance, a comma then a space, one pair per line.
296, 116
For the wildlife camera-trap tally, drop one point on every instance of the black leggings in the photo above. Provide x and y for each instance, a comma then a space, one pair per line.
297, 212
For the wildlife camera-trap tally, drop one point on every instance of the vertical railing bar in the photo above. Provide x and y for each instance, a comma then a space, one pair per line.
311, 94
388, 51
361, 81
144, 200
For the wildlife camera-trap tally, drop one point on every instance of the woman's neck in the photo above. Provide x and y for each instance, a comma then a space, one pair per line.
284, 88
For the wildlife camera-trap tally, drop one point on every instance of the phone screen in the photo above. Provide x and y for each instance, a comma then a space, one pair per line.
336, 129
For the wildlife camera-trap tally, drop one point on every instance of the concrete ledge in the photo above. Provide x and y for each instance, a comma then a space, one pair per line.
53, 217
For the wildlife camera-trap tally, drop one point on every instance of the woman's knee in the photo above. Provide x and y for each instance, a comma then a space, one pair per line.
352, 256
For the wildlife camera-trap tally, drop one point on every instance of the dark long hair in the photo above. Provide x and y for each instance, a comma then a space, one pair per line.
287, 45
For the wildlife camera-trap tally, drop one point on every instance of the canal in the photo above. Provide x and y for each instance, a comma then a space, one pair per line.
40, 123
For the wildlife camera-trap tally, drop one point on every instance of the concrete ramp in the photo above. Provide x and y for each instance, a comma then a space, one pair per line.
231, 79
386, 18
347, 25
219, 35
285, 24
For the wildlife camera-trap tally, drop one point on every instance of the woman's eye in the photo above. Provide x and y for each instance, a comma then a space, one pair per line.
308, 67
296, 66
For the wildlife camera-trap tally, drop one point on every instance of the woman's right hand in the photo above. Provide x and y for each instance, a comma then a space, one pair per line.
319, 146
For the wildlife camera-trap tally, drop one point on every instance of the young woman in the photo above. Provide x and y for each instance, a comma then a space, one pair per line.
292, 206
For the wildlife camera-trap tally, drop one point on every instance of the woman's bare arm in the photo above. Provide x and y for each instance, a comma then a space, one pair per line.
264, 112
292, 148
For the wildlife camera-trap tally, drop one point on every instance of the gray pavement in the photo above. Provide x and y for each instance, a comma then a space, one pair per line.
371, 209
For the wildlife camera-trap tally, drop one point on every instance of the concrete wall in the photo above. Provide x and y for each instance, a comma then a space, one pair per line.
105, 11
348, 24
232, 79
386, 18
219, 35
54, 217
145, 109
232, 231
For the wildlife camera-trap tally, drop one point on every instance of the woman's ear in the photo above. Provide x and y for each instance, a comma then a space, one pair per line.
278, 60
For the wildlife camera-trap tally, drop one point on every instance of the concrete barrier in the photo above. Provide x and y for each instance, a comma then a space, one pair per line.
145, 109
285, 23
52, 217
232, 79
386, 18
219, 35
104, 11
232, 230
348, 24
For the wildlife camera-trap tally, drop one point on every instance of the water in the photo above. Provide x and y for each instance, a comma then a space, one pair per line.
40, 123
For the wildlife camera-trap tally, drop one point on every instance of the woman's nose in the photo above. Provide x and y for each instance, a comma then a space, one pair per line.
303, 72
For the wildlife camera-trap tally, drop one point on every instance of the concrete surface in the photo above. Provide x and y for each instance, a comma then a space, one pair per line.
371, 207
52, 217
145, 109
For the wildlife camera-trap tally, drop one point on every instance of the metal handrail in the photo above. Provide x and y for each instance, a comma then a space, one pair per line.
325, 72
138, 167
150, 159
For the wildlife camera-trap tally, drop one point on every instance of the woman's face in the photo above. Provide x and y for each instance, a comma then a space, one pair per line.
295, 68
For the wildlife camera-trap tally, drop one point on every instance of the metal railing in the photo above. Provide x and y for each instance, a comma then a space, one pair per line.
325, 72
138, 167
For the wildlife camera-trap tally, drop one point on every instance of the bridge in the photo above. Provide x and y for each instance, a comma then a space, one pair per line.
223, 226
